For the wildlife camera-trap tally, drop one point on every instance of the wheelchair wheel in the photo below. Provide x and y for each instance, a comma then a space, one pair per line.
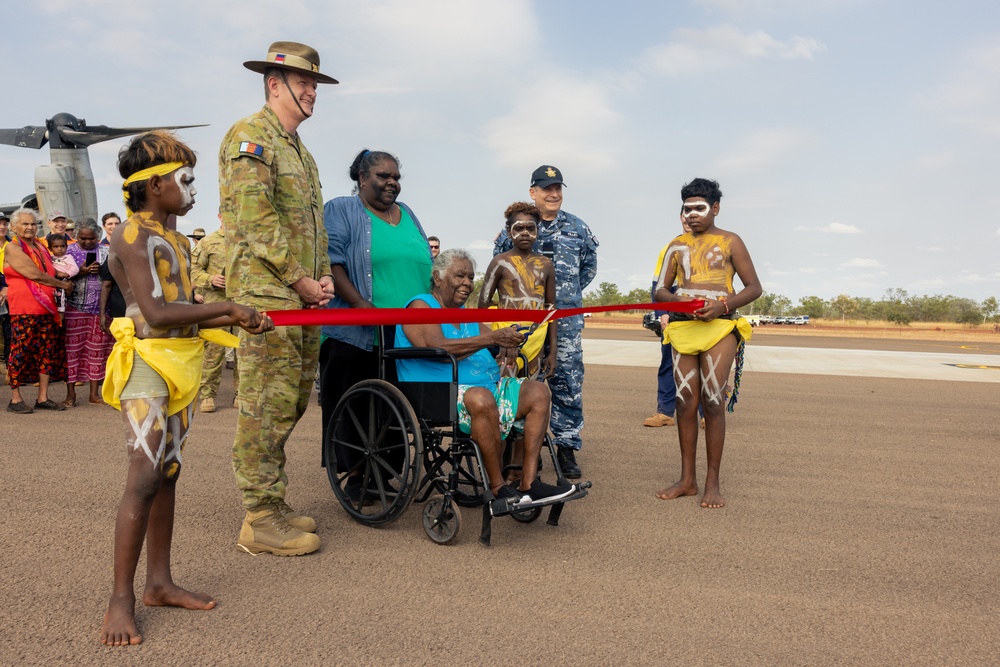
526, 516
442, 520
373, 452
442, 457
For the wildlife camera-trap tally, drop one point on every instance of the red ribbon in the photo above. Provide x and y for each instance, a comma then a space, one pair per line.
375, 316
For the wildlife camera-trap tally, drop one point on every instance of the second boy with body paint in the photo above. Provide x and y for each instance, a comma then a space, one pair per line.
702, 263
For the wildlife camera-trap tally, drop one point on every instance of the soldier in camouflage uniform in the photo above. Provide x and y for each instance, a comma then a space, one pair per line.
272, 210
208, 275
568, 242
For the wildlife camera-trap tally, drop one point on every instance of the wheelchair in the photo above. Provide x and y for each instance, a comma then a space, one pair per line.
403, 440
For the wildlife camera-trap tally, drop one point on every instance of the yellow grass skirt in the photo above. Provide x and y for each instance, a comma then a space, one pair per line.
177, 360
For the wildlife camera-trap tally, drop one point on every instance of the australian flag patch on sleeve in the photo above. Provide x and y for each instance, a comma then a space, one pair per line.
248, 148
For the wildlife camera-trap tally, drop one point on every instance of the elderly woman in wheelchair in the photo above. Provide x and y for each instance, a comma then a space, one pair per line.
490, 401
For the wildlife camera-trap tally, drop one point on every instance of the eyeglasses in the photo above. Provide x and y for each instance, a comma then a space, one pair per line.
435, 247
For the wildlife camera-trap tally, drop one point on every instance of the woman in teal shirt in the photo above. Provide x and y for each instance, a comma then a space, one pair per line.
379, 258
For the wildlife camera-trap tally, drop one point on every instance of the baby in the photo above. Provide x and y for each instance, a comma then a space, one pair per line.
66, 268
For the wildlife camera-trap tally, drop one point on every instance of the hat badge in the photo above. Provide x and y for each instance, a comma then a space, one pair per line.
550, 172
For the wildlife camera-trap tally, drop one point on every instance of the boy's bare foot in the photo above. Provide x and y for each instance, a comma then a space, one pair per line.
175, 596
677, 490
713, 499
119, 627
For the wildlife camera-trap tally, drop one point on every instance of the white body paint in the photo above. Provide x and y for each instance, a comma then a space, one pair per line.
694, 211
712, 294
186, 187
530, 301
152, 244
153, 418
684, 259
683, 382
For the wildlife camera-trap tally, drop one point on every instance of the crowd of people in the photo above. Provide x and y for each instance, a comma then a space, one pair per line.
51, 294
144, 321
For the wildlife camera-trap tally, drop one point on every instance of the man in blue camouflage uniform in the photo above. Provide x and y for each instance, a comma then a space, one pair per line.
568, 242
272, 211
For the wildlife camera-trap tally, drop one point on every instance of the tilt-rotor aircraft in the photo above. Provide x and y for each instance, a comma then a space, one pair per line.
67, 184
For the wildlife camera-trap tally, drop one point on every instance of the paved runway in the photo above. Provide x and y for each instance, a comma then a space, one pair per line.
954, 366
861, 528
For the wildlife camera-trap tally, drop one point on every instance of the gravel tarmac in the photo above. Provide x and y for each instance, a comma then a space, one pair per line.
861, 528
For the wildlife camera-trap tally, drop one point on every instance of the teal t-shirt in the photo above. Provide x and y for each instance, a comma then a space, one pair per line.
401, 262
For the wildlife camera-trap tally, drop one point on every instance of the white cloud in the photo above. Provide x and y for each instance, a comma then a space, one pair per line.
861, 263
583, 131
692, 50
839, 228
934, 161
765, 147
970, 94
782, 6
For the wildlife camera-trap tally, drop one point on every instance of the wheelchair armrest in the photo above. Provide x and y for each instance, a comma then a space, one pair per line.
424, 353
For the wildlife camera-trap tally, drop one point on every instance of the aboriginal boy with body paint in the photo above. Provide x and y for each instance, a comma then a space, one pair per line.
524, 280
702, 263
154, 370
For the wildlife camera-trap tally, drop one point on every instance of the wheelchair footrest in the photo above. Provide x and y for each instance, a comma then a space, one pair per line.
508, 505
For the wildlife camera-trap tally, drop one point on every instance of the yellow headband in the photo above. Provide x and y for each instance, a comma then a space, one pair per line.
145, 174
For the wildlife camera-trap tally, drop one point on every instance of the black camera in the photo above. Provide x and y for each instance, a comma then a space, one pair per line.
652, 322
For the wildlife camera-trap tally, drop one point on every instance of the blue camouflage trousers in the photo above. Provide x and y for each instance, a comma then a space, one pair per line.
277, 372
567, 389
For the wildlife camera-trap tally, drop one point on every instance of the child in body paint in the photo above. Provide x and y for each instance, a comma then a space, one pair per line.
702, 263
524, 280
154, 369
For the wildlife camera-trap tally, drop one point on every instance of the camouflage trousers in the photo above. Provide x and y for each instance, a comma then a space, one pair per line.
211, 367
277, 372
567, 390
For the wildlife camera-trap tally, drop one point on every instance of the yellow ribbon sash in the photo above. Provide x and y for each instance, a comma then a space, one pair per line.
177, 360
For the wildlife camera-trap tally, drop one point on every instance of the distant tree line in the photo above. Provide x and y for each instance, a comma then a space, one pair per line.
896, 306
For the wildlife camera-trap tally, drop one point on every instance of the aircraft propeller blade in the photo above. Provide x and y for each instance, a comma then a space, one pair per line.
26, 137
98, 133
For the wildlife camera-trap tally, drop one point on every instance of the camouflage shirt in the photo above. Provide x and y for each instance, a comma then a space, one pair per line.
572, 247
271, 204
209, 259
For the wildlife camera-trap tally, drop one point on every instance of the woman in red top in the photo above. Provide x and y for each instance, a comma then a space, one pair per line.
36, 352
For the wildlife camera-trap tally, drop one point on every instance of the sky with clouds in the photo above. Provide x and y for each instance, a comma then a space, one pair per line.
855, 140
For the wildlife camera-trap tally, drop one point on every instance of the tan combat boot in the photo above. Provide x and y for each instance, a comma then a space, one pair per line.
208, 405
266, 529
304, 523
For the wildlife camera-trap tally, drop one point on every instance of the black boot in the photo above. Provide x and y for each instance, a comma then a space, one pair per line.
567, 461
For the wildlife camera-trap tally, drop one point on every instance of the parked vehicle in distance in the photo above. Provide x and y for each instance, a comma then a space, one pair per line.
767, 319
754, 320
799, 319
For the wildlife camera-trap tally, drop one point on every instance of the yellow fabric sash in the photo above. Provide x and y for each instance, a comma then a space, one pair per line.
144, 174
177, 360
695, 337
535, 341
